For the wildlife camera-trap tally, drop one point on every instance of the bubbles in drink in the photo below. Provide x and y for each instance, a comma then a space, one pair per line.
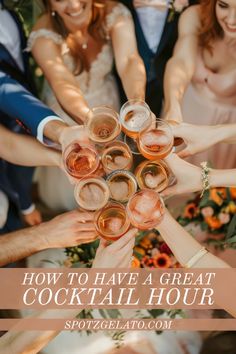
155, 140
135, 117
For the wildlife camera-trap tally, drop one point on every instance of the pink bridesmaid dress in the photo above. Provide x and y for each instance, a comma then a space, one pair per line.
211, 103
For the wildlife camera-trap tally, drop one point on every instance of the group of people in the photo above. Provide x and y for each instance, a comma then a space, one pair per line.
177, 56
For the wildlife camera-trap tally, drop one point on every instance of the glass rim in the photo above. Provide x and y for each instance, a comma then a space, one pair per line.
130, 175
69, 148
90, 179
139, 169
111, 204
145, 190
110, 146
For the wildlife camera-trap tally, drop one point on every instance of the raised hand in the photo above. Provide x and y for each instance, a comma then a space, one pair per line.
188, 177
69, 229
197, 138
116, 255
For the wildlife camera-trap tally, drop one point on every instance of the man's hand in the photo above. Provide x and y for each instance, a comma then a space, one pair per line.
69, 229
33, 218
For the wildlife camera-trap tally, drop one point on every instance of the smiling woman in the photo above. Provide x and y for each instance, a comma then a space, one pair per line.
200, 80
75, 43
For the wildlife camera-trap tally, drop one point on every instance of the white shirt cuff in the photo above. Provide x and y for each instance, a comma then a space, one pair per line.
40, 130
28, 210
4, 206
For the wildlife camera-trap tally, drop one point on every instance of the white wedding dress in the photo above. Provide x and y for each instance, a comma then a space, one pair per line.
98, 86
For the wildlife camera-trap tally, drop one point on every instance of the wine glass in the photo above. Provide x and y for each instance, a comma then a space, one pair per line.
92, 193
134, 115
153, 175
145, 209
156, 142
122, 185
112, 222
116, 155
80, 160
103, 124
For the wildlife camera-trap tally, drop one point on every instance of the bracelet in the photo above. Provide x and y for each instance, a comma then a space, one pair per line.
196, 257
205, 177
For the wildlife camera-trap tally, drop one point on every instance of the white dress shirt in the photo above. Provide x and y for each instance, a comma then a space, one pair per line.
10, 37
152, 21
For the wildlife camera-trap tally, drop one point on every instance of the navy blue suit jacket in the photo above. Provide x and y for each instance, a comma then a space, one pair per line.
155, 63
20, 111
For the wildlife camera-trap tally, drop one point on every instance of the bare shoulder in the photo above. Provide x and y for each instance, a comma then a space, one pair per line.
189, 22
43, 22
110, 5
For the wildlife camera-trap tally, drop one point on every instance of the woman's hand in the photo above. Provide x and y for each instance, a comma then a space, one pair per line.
116, 255
188, 177
196, 137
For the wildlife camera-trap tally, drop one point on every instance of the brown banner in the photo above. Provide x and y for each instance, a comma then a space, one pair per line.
121, 324
126, 288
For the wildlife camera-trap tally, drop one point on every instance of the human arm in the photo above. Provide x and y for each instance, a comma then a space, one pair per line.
116, 255
25, 150
180, 68
47, 53
66, 230
19, 104
199, 138
189, 177
129, 64
184, 246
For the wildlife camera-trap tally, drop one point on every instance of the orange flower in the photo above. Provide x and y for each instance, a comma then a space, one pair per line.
218, 195
231, 208
140, 250
213, 222
162, 260
232, 191
145, 243
135, 263
190, 210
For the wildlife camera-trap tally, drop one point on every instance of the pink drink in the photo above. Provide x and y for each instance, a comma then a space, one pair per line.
145, 209
79, 160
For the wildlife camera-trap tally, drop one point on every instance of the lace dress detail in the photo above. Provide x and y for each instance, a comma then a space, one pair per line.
98, 86
118, 11
57, 38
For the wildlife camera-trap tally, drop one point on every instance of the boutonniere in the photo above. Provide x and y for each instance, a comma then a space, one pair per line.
176, 6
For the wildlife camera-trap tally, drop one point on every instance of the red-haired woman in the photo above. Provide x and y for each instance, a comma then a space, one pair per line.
75, 43
200, 80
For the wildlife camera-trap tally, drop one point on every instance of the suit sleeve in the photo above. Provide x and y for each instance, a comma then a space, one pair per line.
19, 104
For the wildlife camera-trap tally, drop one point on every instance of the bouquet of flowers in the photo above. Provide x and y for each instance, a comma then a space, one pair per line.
216, 214
151, 251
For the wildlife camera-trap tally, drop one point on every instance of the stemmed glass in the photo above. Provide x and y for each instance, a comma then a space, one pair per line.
102, 124
153, 175
80, 160
116, 156
134, 115
156, 142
